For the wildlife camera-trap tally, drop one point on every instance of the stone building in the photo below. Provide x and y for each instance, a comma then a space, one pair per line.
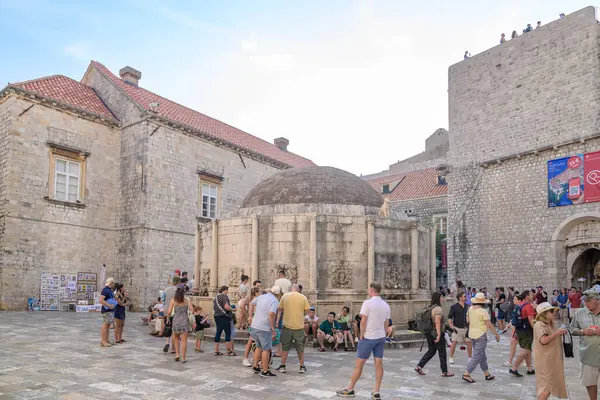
513, 108
320, 226
417, 190
103, 171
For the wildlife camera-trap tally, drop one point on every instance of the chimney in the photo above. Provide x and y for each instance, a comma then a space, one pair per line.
282, 143
130, 75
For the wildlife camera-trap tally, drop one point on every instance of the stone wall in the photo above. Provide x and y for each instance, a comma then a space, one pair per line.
41, 235
504, 235
436, 149
519, 99
423, 210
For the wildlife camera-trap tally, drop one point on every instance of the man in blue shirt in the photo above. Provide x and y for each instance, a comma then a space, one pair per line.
107, 299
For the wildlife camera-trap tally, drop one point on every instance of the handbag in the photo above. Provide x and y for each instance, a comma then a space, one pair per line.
568, 345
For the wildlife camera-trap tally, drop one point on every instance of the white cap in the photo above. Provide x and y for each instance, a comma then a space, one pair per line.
275, 290
109, 281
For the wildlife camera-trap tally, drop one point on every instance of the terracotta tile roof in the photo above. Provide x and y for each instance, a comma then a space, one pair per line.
68, 91
410, 185
193, 119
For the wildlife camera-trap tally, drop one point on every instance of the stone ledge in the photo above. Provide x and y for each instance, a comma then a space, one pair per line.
64, 203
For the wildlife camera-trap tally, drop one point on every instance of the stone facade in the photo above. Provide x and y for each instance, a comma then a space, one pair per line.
422, 210
142, 200
513, 108
436, 150
39, 234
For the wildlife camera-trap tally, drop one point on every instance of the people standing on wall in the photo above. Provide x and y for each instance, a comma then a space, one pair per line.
375, 314
457, 320
502, 38
523, 322
479, 324
586, 325
467, 54
514, 34
123, 300
107, 299
539, 23
528, 29
548, 350
435, 343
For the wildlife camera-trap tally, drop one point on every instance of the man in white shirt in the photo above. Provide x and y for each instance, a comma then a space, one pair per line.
375, 315
263, 328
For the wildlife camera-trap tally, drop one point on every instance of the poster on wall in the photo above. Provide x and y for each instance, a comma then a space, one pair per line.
68, 290
49, 291
592, 177
86, 286
565, 181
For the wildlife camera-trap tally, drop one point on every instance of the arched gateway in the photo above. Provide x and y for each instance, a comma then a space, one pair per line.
576, 249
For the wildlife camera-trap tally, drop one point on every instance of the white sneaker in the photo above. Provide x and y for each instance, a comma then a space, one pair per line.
507, 364
246, 362
356, 340
451, 360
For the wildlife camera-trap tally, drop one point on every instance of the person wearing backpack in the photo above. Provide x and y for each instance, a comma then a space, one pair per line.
434, 335
523, 321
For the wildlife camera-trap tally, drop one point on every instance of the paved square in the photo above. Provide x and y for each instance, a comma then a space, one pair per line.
56, 355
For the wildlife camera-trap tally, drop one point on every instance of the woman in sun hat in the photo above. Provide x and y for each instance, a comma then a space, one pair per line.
547, 347
479, 323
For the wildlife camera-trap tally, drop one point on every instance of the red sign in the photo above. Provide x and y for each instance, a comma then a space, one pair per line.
591, 176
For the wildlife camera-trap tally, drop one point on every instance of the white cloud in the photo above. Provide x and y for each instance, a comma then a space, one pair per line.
81, 50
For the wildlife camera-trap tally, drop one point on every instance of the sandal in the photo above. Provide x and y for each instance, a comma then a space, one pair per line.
231, 353
467, 378
199, 351
490, 377
105, 345
336, 350
218, 353
176, 358
183, 361
419, 371
447, 374
321, 350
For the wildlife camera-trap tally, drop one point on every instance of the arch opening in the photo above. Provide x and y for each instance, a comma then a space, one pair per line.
585, 268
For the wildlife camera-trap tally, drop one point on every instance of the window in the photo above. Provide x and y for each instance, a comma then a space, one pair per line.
441, 224
386, 189
441, 179
210, 197
66, 182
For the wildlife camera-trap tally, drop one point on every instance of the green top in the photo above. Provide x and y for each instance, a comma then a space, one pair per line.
341, 319
589, 346
328, 327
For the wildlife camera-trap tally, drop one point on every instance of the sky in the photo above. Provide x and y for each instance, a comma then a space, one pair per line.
354, 84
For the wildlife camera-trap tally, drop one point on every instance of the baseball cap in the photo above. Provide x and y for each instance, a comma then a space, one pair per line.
275, 289
312, 309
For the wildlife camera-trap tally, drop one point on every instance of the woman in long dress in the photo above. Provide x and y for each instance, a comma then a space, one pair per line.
548, 350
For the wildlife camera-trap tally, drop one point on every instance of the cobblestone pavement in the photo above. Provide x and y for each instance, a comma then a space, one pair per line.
56, 355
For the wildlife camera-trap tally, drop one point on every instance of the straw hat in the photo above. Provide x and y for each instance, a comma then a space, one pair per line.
479, 299
542, 308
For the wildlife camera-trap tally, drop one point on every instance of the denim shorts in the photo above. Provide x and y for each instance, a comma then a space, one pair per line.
367, 346
263, 339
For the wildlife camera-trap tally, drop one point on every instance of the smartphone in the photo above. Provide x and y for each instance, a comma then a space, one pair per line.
574, 188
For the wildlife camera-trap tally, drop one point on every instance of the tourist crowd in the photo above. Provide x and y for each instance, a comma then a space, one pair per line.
281, 318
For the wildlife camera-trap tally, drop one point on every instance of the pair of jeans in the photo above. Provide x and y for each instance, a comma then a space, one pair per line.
433, 347
223, 323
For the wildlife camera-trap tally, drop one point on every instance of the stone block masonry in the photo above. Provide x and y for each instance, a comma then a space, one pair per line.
423, 210
513, 108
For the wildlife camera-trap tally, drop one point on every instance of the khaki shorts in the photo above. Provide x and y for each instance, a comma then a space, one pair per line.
460, 335
108, 318
289, 336
200, 335
588, 375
